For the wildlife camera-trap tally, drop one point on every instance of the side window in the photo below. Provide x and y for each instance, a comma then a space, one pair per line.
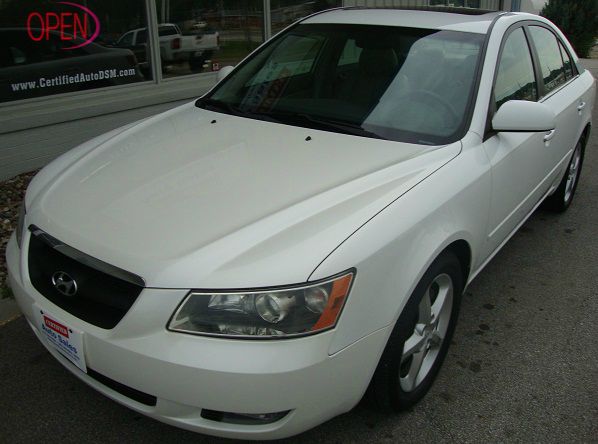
141, 37
567, 63
515, 79
350, 54
18, 56
126, 40
24, 51
167, 30
549, 54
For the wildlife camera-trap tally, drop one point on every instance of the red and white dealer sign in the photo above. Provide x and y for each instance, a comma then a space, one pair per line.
65, 339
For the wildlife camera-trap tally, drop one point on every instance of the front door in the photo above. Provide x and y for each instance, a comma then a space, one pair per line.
521, 162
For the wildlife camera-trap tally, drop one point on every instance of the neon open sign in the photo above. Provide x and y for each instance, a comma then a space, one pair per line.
72, 26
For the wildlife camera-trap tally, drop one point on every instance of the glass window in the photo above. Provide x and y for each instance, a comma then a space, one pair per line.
350, 54
126, 40
549, 54
515, 79
407, 84
50, 48
567, 63
141, 37
164, 31
464, 3
204, 35
293, 57
286, 12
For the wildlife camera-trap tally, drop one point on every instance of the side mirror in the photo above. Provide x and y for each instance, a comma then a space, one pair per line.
223, 72
523, 116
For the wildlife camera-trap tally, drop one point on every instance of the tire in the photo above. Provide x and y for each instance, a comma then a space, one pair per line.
397, 385
561, 199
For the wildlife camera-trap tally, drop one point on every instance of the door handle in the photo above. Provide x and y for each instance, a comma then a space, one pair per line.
549, 135
581, 106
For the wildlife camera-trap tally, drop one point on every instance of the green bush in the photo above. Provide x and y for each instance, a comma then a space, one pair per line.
578, 19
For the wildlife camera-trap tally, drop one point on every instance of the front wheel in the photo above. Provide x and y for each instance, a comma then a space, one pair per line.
421, 337
560, 200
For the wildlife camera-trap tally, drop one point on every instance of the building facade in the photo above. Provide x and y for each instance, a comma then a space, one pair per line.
70, 71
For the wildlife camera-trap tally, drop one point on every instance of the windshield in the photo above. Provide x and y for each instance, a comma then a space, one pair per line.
402, 84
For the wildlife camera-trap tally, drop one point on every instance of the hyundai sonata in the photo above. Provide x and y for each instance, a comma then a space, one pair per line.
248, 264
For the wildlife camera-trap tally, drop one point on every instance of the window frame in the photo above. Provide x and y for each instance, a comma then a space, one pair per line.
542, 86
542, 96
573, 67
489, 131
131, 33
499, 60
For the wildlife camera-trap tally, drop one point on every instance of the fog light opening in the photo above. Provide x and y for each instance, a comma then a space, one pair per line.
243, 418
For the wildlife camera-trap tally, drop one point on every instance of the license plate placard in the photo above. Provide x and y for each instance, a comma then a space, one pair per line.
67, 340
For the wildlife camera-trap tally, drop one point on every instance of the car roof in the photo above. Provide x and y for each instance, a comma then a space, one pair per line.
453, 19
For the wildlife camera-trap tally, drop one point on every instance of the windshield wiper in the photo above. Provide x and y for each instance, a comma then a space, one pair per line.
325, 124
300, 119
218, 105
227, 108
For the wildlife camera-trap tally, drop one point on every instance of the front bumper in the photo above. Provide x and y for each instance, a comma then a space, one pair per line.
189, 373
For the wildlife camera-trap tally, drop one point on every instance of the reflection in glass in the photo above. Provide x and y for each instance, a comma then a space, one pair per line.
515, 79
50, 48
204, 35
549, 54
568, 65
403, 84
286, 12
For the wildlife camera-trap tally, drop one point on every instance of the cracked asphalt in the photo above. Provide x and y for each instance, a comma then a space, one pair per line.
523, 366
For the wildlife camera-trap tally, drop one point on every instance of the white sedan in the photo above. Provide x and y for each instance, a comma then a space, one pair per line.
247, 265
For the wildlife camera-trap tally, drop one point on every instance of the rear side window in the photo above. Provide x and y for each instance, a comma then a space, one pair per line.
126, 40
167, 30
549, 54
515, 79
567, 63
142, 37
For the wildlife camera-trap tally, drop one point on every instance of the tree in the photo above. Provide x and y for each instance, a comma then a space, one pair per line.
578, 19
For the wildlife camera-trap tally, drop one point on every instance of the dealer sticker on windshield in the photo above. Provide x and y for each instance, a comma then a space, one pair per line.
65, 339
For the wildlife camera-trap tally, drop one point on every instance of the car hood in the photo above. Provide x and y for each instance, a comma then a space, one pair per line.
197, 199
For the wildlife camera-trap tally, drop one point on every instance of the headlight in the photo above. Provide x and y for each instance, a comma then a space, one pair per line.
291, 311
20, 224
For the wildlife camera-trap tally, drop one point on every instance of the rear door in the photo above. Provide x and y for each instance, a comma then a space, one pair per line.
561, 92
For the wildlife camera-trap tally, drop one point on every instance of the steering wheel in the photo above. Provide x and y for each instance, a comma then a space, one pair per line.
433, 98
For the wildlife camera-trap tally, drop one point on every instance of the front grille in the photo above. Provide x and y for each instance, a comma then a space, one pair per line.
104, 293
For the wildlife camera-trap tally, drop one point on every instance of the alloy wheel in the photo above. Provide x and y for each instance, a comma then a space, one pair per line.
573, 173
422, 348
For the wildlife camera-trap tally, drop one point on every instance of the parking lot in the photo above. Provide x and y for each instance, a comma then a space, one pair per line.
523, 366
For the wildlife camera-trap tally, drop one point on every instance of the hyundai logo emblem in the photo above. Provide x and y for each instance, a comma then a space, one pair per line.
64, 283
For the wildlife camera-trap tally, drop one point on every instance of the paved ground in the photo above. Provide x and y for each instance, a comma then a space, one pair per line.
523, 366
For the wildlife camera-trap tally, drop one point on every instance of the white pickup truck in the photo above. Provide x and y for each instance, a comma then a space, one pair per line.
174, 46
